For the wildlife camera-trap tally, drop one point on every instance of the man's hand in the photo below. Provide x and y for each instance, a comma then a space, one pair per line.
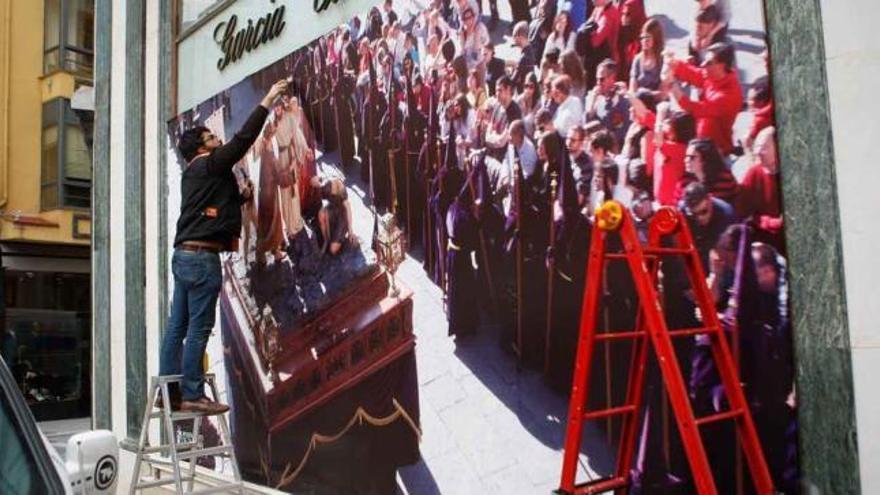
247, 192
671, 60
276, 89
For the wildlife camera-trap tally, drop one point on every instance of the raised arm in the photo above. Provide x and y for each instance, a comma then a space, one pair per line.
225, 157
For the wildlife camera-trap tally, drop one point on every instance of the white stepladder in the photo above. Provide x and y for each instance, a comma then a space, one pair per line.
175, 452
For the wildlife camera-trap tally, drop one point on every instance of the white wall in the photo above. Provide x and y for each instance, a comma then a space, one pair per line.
117, 235
852, 50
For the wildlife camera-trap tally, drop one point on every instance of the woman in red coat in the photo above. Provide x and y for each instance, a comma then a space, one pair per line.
666, 155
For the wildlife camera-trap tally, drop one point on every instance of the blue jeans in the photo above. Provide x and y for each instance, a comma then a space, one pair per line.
197, 282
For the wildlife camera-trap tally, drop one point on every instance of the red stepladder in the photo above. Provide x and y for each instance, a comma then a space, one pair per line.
668, 235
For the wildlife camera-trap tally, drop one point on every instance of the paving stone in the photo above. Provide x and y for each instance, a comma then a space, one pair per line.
452, 474
436, 437
442, 392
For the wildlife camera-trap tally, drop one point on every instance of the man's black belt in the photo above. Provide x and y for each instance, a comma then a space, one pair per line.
197, 248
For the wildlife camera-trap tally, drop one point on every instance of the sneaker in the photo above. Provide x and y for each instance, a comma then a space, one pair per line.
203, 405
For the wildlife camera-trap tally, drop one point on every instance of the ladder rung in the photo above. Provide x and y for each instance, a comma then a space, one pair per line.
685, 332
719, 417
167, 379
218, 450
160, 379
164, 447
624, 256
619, 335
160, 482
217, 489
666, 251
179, 416
615, 256
159, 461
601, 485
613, 411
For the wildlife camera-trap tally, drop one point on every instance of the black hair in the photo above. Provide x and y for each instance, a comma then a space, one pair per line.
603, 140
504, 81
611, 171
730, 238
684, 127
723, 52
713, 162
448, 50
761, 87
765, 255
647, 97
553, 146
543, 116
694, 194
637, 175
190, 142
532, 78
709, 14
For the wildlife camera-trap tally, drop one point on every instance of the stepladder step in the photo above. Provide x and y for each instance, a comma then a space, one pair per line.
183, 444
155, 483
219, 450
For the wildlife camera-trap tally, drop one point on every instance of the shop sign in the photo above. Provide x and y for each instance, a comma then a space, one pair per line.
235, 42
321, 5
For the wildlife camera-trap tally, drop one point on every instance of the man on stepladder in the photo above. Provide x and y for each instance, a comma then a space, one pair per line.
209, 223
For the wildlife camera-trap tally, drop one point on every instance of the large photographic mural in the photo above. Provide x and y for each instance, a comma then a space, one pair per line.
491, 136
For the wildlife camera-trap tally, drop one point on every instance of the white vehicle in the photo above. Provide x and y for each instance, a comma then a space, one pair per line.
29, 465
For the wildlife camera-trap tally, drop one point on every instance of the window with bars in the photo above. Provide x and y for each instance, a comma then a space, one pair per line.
68, 37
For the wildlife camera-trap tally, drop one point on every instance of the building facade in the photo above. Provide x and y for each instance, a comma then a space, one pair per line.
46, 68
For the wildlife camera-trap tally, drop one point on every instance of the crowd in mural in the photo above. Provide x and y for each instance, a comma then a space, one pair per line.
494, 166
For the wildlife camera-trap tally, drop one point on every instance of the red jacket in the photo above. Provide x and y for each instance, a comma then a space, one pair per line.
608, 20
716, 110
665, 164
763, 119
668, 171
759, 198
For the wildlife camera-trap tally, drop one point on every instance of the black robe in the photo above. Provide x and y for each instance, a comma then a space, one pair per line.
426, 172
343, 112
373, 154
463, 311
568, 258
446, 185
413, 193
390, 128
519, 10
526, 246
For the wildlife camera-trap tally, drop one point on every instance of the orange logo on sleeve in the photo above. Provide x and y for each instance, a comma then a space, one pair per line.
211, 212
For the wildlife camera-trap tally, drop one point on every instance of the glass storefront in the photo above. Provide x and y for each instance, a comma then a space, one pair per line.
46, 340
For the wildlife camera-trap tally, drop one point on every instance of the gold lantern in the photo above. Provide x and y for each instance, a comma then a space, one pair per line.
391, 248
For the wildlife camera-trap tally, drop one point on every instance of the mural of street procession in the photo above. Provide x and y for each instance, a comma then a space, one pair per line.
452, 277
